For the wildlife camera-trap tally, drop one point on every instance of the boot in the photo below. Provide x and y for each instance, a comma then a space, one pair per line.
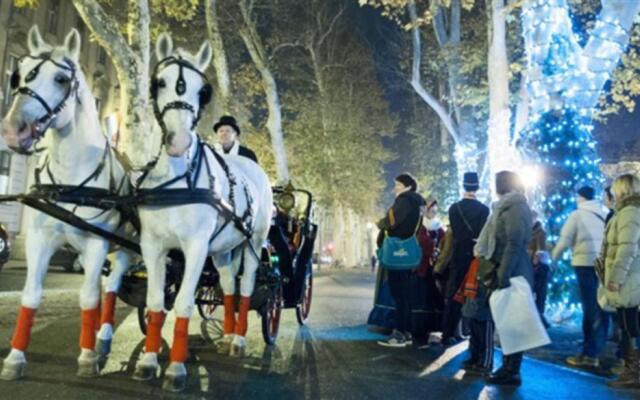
509, 372
630, 376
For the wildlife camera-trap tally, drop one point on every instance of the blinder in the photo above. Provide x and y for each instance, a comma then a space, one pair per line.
15, 80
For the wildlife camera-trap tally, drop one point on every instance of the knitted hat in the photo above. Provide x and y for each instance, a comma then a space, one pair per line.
229, 121
470, 182
408, 181
587, 192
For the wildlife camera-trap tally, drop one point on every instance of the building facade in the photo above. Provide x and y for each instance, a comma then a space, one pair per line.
55, 18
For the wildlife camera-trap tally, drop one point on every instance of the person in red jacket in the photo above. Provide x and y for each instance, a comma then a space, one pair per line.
427, 302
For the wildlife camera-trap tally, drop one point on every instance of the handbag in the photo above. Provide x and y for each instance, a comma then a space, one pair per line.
488, 273
400, 254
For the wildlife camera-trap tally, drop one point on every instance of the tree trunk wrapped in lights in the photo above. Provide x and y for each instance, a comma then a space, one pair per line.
565, 81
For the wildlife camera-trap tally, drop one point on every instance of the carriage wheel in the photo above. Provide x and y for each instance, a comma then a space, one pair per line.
304, 307
271, 317
142, 319
206, 301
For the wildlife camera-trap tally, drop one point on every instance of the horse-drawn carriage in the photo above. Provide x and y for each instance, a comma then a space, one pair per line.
284, 278
214, 209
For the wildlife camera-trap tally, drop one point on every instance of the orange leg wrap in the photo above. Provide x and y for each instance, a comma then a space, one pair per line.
109, 309
229, 314
96, 327
154, 331
241, 326
22, 334
179, 350
88, 329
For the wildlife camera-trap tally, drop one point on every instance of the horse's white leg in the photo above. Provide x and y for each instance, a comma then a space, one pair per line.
40, 247
155, 259
247, 283
93, 256
225, 267
121, 262
175, 376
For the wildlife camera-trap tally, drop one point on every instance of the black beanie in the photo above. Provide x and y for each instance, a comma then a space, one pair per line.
227, 120
408, 181
587, 192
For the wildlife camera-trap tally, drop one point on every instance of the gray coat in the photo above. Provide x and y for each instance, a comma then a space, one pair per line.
513, 232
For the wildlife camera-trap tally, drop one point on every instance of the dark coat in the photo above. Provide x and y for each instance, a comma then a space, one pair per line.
538, 240
247, 152
403, 217
513, 233
475, 213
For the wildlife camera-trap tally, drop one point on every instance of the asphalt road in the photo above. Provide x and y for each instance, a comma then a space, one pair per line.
335, 357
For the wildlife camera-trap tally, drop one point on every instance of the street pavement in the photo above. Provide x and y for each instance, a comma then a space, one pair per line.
334, 357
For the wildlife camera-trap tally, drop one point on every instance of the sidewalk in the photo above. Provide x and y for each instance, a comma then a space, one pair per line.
566, 340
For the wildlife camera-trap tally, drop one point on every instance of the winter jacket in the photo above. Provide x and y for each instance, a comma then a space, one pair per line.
513, 232
622, 258
583, 233
403, 217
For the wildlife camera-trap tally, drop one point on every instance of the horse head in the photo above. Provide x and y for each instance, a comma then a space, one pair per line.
45, 87
179, 91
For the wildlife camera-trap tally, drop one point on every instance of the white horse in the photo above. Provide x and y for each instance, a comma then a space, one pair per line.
52, 95
179, 92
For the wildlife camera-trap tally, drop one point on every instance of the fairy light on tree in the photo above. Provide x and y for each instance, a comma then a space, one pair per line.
565, 83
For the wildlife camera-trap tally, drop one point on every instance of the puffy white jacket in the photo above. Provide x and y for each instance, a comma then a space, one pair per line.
583, 234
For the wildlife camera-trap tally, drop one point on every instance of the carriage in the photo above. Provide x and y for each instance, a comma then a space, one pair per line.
284, 279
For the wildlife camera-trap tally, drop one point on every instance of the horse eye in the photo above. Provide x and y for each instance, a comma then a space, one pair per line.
162, 83
62, 79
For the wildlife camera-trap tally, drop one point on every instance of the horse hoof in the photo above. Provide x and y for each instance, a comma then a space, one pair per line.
174, 383
103, 348
145, 372
88, 369
237, 349
12, 371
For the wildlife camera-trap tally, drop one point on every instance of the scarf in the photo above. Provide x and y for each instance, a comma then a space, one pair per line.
233, 150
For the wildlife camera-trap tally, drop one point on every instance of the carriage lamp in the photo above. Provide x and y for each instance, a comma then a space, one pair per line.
286, 201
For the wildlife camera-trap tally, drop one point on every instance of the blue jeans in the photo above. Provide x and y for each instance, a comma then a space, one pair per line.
595, 323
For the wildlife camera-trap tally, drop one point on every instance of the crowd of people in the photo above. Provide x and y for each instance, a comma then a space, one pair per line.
450, 287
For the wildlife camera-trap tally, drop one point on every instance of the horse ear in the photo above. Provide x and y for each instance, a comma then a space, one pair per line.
72, 44
204, 56
35, 41
164, 46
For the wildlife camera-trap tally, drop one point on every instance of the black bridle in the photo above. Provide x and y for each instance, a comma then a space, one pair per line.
180, 89
43, 123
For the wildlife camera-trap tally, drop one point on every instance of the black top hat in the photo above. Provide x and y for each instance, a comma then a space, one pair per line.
470, 181
227, 120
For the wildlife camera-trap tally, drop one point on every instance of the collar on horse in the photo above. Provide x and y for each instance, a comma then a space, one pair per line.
43, 123
81, 194
161, 195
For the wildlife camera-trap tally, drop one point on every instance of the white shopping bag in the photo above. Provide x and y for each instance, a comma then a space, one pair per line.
516, 317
